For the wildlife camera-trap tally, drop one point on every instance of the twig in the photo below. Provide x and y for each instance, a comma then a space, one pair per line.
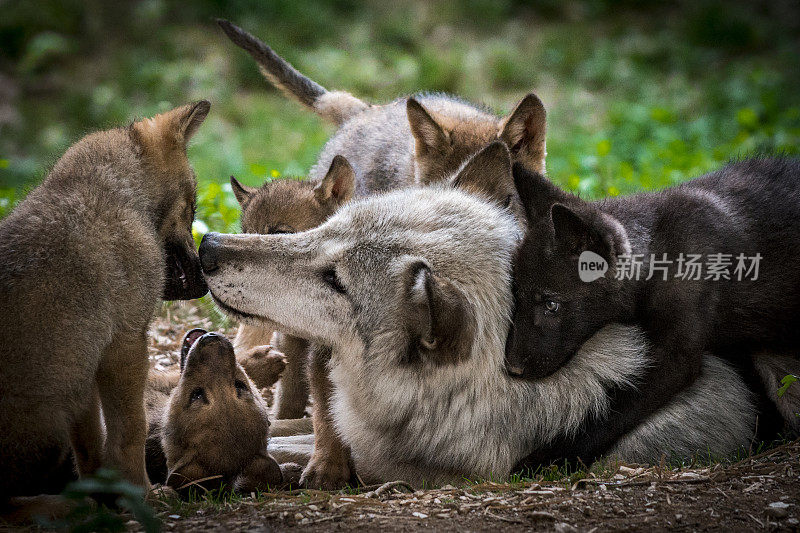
503, 518
387, 487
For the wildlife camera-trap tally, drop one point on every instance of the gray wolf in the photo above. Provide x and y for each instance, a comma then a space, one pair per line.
748, 209
420, 139
412, 292
87, 257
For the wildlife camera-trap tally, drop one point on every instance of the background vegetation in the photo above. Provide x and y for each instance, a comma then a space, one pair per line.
639, 94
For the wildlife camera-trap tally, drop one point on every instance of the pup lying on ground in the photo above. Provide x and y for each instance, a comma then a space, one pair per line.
412, 291
87, 257
746, 212
210, 421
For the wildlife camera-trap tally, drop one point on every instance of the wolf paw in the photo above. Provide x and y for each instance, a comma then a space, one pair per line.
326, 474
264, 365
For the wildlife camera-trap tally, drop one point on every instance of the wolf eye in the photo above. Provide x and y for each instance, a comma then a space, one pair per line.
551, 306
198, 394
330, 277
241, 387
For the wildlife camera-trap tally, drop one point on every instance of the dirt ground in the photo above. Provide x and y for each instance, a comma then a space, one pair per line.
759, 493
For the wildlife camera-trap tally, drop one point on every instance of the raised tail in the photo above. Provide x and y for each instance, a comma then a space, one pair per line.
335, 106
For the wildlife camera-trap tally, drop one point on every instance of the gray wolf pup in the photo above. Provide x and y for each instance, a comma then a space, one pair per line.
747, 209
419, 139
412, 292
87, 257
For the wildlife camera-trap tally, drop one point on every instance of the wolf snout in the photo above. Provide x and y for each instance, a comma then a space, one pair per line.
209, 253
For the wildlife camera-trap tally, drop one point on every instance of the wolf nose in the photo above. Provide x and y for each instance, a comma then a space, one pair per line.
209, 253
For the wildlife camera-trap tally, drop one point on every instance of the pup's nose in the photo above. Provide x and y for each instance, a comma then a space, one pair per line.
209, 253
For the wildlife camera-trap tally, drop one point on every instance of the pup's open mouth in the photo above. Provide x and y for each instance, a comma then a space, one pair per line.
183, 281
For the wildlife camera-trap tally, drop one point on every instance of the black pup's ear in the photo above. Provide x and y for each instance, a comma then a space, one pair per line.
585, 228
489, 173
188, 341
243, 193
537, 193
441, 321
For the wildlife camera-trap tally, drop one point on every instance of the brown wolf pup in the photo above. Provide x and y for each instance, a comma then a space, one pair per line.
210, 423
87, 257
288, 206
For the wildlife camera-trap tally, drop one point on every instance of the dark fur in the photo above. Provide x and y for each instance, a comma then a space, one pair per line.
748, 207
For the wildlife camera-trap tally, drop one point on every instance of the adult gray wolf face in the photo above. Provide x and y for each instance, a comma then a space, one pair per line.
412, 291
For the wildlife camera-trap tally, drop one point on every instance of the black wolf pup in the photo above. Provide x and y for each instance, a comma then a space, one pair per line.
708, 265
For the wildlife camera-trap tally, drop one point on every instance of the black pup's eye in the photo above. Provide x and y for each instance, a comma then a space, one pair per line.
551, 306
241, 387
330, 277
198, 394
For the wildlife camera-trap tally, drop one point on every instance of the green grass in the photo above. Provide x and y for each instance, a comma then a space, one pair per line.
638, 97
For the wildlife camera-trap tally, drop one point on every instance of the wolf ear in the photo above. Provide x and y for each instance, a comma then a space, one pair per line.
537, 193
441, 322
337, 186
175, 126
489, 173
429, 136
524, 132
192, 116
576, 232
243, 193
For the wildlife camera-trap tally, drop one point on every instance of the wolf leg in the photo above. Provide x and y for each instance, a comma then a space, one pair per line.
121, 379
329, 467
291, 396
86, 438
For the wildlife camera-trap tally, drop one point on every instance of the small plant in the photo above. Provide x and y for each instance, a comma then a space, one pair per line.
786, 382
99, 502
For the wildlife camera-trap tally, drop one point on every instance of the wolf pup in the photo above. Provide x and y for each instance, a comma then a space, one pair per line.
87, 257
412, 292
288, 206
703, 266
211, 427
420, 139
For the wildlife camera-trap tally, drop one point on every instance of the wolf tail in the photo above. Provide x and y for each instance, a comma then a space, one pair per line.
335, 106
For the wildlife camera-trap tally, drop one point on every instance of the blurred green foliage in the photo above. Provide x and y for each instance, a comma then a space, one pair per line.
639, 94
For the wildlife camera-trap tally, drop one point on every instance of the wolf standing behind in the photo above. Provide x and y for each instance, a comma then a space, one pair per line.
87, 257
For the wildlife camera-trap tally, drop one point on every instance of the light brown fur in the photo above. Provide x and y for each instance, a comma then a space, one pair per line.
88, 255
